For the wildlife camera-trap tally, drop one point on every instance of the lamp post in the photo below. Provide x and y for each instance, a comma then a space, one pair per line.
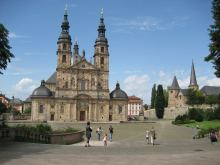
12, 109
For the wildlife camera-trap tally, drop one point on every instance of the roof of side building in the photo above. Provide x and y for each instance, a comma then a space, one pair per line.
52, 78
210, 90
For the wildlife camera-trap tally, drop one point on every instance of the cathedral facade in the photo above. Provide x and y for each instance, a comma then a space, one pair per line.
79, 90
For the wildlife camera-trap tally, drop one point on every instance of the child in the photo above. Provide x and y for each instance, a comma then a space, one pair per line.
105, 140
147, 136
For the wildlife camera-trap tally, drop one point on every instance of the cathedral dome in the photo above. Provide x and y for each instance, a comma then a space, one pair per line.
118, 93
42, 91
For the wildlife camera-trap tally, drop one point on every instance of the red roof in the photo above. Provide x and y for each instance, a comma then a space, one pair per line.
133, 98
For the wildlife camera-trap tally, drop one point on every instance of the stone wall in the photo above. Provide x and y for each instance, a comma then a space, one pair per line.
169, 113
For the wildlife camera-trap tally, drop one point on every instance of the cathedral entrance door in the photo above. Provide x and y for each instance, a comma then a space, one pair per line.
51, 117
110, 117
82, 116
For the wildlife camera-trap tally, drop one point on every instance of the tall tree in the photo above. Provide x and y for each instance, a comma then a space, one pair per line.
153, 95
214, 32
5, 54
159, 102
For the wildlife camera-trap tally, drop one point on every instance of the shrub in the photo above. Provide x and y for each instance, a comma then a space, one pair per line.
182, 119
195, 114
217, 113
43, 129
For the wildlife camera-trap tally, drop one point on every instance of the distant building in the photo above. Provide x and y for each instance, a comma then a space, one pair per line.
79, 90
4, 100
27, 103
135, 105
17, 104
178, 97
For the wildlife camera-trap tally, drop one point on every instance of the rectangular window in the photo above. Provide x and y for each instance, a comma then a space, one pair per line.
41, 109
102, 49
119, 109
64, 59
83, 84
62, 109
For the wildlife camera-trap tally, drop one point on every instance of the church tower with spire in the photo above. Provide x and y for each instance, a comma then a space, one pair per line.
173, 92
193, 82
64, 45
101, 55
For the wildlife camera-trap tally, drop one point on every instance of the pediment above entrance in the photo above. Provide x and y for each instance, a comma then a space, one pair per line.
84, 65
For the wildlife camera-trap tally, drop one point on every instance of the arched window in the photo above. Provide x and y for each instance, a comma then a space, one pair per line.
64, 46
102, 60
102, 49
64, 59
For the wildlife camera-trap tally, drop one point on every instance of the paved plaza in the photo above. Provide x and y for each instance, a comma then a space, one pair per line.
174, 145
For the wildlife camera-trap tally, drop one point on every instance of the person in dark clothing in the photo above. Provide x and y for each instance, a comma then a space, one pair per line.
110, 133
88, 134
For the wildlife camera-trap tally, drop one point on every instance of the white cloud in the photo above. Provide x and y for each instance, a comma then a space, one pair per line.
138, 85
214, 82
16, 71
184, 82
132, 71
147, 23
24, 88
13, 35
139, 23
161, 73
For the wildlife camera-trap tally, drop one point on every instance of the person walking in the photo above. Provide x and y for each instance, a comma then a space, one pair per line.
147, 136
110, 133
99, 133
152, 135
105, 140
88, 134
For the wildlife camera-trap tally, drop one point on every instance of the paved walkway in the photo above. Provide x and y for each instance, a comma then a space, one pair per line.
174, 146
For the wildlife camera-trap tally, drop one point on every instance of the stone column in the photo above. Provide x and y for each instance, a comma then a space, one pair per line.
90, 111
74, 112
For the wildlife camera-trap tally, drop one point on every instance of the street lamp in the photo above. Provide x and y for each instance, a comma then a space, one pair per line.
12, 116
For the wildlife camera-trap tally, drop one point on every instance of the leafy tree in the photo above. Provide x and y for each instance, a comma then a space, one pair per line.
212, 99
153, 96
3, 108
145, 106
217, 113
195, 97
5, 54
27, 111
159, 102
214, 33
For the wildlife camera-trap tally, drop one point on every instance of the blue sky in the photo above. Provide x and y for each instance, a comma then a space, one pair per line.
150, 41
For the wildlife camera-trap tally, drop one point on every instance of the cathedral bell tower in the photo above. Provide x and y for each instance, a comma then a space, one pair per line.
193, 82
64, 45
101, 55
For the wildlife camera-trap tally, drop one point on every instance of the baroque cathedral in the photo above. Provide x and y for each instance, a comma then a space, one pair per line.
79, 90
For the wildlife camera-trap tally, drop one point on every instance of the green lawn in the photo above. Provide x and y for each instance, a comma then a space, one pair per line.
205, 124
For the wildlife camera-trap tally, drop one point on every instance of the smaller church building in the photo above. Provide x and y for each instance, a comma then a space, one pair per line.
178, 97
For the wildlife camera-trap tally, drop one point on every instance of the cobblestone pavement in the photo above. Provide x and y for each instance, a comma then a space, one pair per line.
174, 145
